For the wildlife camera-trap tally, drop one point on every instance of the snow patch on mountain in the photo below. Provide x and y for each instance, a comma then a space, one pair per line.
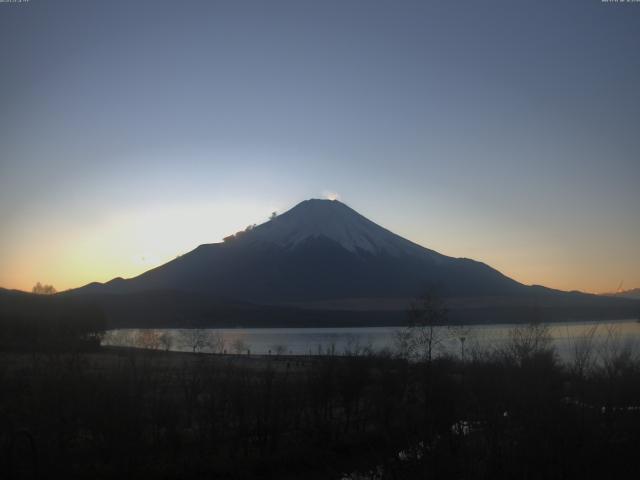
334, 220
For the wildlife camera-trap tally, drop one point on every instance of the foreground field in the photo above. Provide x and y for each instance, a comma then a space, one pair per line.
142, 414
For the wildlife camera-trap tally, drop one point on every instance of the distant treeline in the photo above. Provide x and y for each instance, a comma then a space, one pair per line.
174, 309
48, 322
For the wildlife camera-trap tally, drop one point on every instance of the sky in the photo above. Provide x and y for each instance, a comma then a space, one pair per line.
507, 132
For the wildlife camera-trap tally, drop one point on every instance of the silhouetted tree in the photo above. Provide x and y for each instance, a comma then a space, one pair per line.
43, 289
217, 342
239, 234
195, 338
422, 336
528, 341
239, 345
280, 349
166, 341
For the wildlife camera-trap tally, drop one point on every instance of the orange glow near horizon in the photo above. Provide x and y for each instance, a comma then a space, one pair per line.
123, 245
128, 244
505, 135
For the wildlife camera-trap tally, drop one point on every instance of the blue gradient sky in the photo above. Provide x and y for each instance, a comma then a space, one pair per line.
508, 132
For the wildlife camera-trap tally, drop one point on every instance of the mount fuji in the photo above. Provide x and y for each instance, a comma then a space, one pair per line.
319, 257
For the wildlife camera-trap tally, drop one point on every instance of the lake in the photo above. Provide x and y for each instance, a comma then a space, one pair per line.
566, 337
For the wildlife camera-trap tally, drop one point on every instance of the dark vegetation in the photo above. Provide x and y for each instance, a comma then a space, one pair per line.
71, 410
41, 289
512, 413
239, 234
44, 322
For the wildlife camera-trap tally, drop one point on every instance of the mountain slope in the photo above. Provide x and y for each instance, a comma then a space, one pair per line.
320, 264
633, 293
318, 250
333, 220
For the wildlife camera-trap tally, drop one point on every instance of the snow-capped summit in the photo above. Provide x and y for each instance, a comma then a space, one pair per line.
318, 250
332, 220
319, 257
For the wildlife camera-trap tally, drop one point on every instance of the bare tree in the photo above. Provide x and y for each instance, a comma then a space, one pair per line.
582, 352
239, 346
528, 341
280, 349
195, 338
41, 289
423, 336
217, 342
402, 339
616, 353
166, 340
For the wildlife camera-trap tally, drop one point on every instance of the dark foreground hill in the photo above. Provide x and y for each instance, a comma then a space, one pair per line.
179, 309
49, 322
153, 414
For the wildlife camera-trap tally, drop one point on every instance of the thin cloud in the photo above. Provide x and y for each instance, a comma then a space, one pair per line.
330, 195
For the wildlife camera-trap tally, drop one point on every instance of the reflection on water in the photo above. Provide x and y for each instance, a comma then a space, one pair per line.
568, 338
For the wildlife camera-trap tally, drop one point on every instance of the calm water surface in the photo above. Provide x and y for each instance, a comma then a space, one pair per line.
304, 341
